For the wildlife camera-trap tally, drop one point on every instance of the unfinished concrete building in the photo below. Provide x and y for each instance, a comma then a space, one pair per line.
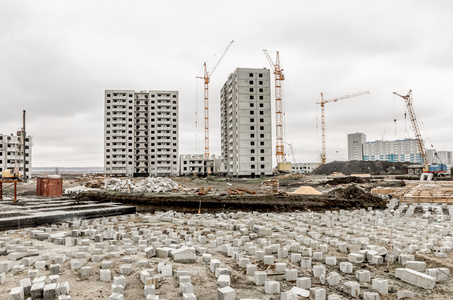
141, 134
195, 164
246, 133
355, 145
12, 154
406, 150
303, 168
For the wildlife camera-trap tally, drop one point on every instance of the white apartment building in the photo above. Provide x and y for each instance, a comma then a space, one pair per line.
397, 151
246, 127
12, 154
196, 163
444, 157
355, 145
303, 168
141, 134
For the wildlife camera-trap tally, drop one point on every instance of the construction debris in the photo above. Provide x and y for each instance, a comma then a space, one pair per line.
419, 192
270, 186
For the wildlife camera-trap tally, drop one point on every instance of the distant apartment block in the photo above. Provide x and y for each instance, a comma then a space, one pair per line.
141, 135
396, 151
355, 145
444, 157
303, 168
191, 164
12, 153
246, 133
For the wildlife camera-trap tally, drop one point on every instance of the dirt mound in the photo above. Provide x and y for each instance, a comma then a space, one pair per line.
353, 192
306, 190
346, 180
362, 167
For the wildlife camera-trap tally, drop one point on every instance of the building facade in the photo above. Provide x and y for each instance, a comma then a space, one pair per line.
396, 151
12, 154
141, 133
355, 145
246, 127
303, 168
191, 164
444, 157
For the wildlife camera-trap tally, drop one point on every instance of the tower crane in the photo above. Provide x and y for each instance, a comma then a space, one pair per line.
323, 118
279, 77
206, 78
418, 136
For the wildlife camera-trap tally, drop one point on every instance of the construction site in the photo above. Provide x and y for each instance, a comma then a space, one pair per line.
249, 223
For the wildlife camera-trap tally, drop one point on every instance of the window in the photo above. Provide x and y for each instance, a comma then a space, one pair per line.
262, 135
260, 75
250, 74
261, 143
252, 127
260, 83
261, 120
252, 159
252, 104
251, 90
252, 112
252, 166
261, 150
261, 158
261, 90
251, 82
252, 120
261, 112
252, 151
108, 95
252, 135
262, 166
252, 143
261, 105
261, 97
252, 97
261, 127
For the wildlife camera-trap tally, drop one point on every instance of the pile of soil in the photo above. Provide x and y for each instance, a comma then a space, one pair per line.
347, 180
353, 192
306, 190
362, 167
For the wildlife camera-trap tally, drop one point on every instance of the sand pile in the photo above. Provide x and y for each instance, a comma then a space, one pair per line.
307, 190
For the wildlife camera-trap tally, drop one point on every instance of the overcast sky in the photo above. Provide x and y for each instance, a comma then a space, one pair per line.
58, 57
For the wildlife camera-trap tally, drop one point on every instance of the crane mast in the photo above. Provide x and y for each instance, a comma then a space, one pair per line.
279, 77
323, 118
410, 109
206, 79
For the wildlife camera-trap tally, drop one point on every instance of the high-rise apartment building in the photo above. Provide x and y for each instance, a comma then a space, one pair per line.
246, 127
397, 151
444, 157
12, 154
355, 145
141, 133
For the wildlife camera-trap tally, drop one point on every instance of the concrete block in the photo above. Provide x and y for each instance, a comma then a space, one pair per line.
370, 296
189, 296
296, 257
272, 287
305, 263
37, 290
54, 279
120, 280
419, 266
126, 269
221, 271
331, 260
50, 291
288, 296
223, 281
62, 288
416, 278
105, 275
404, 294
380, 285
333, 278
291, 274
185, 287
107, 264
441, 274
26, 285
149, 290
363, 275
346, 267
317, 293
86, 271
251, 269
184, 255
268, 259
2, 278
280, 267
17, 293
116, 296
300, 292
352, 288
303, 283
319, 270
356, 258
260, 277
214, 264
226, 293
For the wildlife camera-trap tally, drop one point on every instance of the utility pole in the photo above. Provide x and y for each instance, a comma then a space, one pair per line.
23, 145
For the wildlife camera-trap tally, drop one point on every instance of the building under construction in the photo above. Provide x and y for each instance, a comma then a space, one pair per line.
246, 127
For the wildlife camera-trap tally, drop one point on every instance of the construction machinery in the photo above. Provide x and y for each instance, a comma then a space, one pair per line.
282, 165
207, 78
434, 169
11, 174
323, 118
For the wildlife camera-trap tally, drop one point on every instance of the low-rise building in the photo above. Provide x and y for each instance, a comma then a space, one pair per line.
303, 168
191, 164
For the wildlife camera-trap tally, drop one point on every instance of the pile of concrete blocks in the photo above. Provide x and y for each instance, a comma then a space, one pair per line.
147, 185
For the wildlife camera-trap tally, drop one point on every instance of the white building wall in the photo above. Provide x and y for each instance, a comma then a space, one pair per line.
303, 168
355, 145
397, 151
246, 128
141, 135
11, 153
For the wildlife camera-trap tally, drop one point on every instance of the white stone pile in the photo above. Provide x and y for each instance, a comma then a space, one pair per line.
147, 185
